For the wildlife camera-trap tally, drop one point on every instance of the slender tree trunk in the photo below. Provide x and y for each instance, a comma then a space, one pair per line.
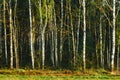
52, 48
43, 51
84, 35
56, 40
11, 35
5, 34
40, 27
15, 37
68, 27
43, 38
78, 31
101, 42
31, 35
61, 37
113, 37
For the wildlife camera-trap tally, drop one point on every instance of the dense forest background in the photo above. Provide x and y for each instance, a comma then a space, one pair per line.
60, 34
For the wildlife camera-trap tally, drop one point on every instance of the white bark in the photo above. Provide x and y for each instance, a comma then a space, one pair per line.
43, 38
61, 37
43, 50
84, 35
78, 31
31, 35
40, 28
113, 37
56, 40
101, 42
11, 37
15, 38
4, 22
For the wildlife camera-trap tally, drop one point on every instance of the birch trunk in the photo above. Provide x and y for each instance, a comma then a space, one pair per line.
15, 37
43, 50
43, 38
5, 34
113, 37
101, 46
78, 31
84, 35
31, 35
11, 35
52, 48
61, 37
40, 27
56, 40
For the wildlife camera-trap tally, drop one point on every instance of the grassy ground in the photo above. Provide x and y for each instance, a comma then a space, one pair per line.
38, 77
55, 75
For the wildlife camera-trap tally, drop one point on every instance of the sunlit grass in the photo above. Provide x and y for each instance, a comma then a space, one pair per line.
22, 74
38, 77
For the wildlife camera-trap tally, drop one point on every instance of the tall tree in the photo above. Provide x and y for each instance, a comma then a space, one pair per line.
11, 34
84, 35
31, 35
15, 37
101, 42
78, 29
113, 36
43, 28
5, 34
61, 37
56, 39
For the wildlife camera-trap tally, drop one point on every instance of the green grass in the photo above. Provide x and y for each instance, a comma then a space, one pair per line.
38, 77
57, 75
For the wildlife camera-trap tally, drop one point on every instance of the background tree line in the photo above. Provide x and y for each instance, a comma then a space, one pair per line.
60, 34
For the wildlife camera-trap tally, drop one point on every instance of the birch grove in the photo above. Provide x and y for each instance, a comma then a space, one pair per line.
60, 34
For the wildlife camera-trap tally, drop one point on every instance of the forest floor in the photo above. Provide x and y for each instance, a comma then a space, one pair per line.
22, 74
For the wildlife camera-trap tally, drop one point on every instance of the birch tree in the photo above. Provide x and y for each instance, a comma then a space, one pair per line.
78, 30
40, 26
43, 24
11, 34
84, 35
113, 36
56, 39
31, 35
101, 42
15, 37
5, 34
61, 28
